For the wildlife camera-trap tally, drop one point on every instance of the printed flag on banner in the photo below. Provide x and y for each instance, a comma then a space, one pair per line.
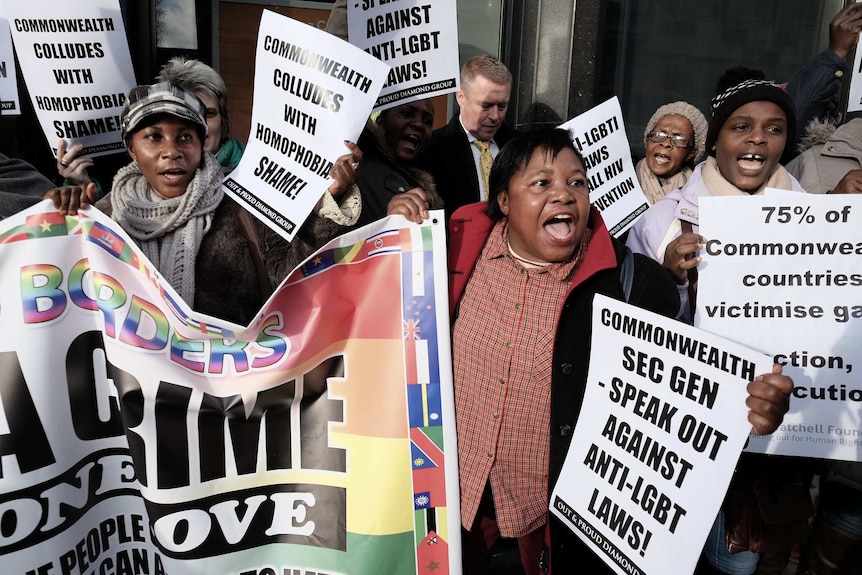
178, 443
42, 225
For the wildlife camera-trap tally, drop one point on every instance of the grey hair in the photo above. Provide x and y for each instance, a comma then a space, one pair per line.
487, 67
195, 76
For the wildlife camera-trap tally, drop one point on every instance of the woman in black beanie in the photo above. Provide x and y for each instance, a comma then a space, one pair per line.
753, 124
739, 86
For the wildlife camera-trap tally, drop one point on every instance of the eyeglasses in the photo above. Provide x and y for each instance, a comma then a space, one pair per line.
676, 140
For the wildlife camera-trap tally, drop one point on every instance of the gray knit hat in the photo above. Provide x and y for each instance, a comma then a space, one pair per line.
697, 119
163, 98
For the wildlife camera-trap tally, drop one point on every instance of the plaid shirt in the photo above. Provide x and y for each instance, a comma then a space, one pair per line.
502, 350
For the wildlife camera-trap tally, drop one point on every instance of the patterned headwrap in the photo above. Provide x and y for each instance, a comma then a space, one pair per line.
163, 98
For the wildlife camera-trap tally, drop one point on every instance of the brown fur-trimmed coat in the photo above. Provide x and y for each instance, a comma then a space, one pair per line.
382, 176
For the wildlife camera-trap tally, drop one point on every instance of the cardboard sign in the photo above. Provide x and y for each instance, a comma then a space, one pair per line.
9, 104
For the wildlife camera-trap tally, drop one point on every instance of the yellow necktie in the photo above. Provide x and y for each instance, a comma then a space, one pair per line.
485, 161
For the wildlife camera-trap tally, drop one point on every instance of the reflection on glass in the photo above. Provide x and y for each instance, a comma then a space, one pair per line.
479, 28
176, 25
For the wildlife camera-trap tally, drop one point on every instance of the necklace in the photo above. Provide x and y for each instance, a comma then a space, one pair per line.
529, 264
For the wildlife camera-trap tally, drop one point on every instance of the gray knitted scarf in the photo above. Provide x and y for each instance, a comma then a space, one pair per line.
169, 231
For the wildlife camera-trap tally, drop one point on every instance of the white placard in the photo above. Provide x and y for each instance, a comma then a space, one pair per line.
9, 103
600, 135
661, 428
417, 38
781, 273
312, 92
75, 59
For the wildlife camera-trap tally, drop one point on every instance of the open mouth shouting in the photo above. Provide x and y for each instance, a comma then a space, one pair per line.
413, 141
661, 159
751, 163
560, 227
547, 205
409, 146
171, 182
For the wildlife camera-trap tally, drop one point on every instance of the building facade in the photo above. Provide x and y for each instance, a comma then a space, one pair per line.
565, 55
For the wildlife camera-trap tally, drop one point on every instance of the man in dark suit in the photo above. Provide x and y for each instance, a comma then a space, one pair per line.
454, 155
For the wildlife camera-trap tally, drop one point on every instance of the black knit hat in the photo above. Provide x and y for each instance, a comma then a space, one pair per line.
751, 90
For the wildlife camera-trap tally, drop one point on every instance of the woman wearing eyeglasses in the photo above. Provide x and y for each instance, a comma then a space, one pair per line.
674, 140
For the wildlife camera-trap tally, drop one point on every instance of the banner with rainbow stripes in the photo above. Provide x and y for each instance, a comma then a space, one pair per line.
137, 436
